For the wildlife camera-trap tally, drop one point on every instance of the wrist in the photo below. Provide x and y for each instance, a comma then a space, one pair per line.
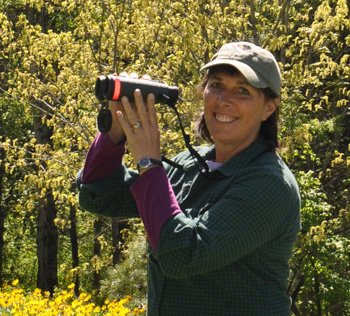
146, 163
116, 136
142, 171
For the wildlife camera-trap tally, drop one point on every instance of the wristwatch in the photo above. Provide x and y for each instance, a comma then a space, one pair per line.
146, 162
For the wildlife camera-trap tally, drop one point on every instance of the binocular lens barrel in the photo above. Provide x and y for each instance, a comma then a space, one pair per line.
114, 88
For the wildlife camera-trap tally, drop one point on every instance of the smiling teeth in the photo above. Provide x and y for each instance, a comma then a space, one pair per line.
225, 118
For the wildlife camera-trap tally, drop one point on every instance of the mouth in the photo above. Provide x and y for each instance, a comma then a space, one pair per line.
223, 118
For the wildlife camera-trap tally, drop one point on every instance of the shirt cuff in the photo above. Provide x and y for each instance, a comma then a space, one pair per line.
103, 158
156, 201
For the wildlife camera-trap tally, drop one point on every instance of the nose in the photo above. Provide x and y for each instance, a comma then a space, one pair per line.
225, 98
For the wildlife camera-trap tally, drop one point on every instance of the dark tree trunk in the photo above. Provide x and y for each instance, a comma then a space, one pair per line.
74, 245
47, 235
47, 238
2, 212
115, 241
117, 227
97, 252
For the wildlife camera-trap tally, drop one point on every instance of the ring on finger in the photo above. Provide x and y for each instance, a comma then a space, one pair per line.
136, 125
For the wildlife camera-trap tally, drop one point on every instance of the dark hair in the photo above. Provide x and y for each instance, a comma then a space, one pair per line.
268, 129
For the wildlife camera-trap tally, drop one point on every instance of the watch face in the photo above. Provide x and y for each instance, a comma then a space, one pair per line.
144, 162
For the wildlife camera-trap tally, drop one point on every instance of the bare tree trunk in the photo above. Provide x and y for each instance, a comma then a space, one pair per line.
47, 239
97, 252
295, 293
117, 227
47, 235
254, 23
74, 246
285, 21
2, 212
115, 241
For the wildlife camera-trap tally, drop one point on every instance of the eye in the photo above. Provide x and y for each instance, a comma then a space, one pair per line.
215, 85
244, 91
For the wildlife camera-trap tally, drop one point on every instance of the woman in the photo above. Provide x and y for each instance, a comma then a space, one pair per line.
220, 242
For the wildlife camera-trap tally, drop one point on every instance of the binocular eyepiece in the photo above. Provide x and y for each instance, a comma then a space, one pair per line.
114, 88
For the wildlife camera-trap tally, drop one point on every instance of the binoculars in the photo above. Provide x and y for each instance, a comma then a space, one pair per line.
112, 87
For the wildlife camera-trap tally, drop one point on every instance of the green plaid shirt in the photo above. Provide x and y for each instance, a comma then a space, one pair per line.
228, 252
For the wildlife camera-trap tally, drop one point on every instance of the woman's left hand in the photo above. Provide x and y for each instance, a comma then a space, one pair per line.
143, 134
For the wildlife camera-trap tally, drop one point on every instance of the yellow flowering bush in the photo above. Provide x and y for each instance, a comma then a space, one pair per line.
13, 301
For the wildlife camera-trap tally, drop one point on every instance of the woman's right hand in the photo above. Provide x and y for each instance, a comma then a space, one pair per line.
116, 133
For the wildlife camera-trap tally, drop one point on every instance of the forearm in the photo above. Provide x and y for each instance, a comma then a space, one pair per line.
103, 159
155, 200
110, 196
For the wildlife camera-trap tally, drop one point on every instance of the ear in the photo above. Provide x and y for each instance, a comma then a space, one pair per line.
271, 106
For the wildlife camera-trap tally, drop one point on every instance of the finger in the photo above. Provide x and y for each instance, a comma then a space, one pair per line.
124, 124
124, 74
152, 114
146, 77
134, 75
114, 106
131, 114
141, 107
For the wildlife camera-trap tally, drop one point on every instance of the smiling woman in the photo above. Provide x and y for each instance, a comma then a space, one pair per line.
220, 241
246, 110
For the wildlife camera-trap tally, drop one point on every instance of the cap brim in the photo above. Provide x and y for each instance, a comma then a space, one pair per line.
248, 73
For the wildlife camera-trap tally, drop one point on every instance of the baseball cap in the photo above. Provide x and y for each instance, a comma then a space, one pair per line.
257, 65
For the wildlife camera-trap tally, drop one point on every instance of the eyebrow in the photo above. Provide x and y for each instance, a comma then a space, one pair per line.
241, 82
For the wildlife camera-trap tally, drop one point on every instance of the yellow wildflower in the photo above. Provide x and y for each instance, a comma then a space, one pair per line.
15, 282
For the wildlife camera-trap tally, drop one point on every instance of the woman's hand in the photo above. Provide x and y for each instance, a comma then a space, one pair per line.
139, 123
116, 132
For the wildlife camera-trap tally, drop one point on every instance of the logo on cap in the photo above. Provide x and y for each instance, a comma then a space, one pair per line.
244, 48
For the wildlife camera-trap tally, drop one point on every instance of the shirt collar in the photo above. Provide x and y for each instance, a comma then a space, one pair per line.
237, 162
243, 158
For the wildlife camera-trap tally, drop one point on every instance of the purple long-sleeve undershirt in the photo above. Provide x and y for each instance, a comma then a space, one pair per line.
152, 191
103, 158
155, 201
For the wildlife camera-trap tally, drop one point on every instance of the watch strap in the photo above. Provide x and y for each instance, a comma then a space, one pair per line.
151, 162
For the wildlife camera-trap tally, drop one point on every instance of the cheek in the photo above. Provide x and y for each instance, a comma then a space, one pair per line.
206, 102
257, 112
205, 97
209, 99
256, 117
206, 112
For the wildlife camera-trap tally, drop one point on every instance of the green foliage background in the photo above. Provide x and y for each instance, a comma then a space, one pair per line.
52, 51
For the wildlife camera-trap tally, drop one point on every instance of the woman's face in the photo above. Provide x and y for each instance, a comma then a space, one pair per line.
234, 110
